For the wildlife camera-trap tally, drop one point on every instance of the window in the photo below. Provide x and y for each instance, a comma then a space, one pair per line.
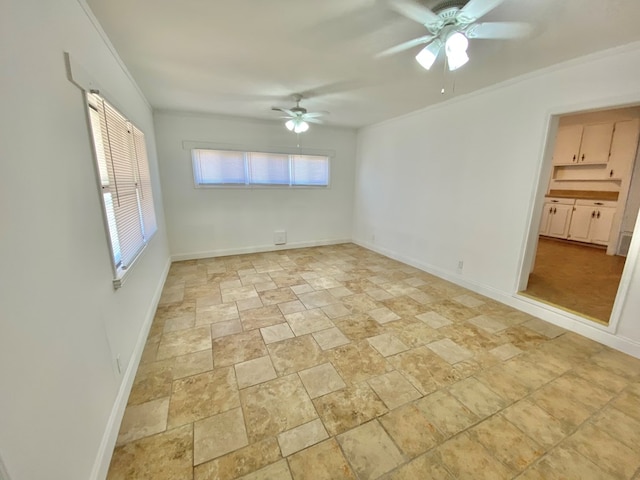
229, 167
123, 170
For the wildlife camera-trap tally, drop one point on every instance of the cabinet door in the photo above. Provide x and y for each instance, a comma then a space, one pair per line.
596, 143
623, 149
580, 221
601, 226
560, 220
567, 145
546, 215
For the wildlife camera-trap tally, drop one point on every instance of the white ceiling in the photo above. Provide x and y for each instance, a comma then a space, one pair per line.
241, 57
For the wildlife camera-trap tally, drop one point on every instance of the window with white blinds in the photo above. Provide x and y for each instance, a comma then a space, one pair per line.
229, 167
123, 169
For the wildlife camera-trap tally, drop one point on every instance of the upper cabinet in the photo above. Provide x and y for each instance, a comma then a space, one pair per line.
596, 142
583, 144
567, 145
623, 149
595, 151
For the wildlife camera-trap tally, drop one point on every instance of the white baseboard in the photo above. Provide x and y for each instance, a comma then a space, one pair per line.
255, 249
548, 313
103, 458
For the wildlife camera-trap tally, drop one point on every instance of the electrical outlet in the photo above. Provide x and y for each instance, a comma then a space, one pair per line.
280, 237
460, 265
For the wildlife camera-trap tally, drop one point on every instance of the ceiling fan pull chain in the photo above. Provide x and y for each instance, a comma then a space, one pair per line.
444, 75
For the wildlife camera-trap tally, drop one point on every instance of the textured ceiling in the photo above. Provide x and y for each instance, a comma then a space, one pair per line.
240, 57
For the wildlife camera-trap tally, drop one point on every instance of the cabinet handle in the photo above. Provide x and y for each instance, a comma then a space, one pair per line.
550, 210
583, 157
598, 216
611, 173
554, 201
554, 210
593, 214
598, 203
574, 158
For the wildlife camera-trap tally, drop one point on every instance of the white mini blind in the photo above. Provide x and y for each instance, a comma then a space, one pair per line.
309, 170
268, 168
148, 212
219, 167
122, 164
231, 167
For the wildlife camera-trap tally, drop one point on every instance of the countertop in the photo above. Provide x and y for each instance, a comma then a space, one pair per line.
583, 194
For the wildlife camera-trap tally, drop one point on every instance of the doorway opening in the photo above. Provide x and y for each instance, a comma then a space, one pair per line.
589, 210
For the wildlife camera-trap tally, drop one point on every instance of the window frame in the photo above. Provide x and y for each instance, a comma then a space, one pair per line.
121, 271
246, 151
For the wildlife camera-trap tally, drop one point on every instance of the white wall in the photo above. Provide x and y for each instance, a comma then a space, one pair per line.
456, 182
61, 322
217, 221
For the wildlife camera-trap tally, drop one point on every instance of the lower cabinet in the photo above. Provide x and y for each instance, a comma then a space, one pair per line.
556, 217
591, 221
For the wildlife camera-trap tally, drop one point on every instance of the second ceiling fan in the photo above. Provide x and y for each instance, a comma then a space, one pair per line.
450, 24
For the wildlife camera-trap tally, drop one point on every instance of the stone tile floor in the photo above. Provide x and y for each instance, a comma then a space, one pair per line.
338, 363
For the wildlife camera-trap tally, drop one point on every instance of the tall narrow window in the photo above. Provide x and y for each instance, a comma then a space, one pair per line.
123, 169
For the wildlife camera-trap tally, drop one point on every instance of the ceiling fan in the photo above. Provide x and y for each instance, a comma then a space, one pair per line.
451, 24
298, 117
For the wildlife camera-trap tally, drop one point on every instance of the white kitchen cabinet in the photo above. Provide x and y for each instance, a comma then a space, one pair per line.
623, 149
601, 226
591, 221
596, 142
581, 222
567, 145
556, 217
583, 144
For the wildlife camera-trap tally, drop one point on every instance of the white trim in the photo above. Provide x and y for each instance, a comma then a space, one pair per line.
110, 435
4, 475
575, 323
256, 249
203, 145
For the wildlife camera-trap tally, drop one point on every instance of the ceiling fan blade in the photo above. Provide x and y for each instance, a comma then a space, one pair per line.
284, 110
415, 11
499, 30
406, 46
314, 114
477, 8
313, 120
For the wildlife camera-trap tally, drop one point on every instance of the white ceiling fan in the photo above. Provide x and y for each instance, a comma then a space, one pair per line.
451, 24
298, 117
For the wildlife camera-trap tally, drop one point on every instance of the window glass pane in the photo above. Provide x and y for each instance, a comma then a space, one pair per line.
218, 167
310, 170
269, 168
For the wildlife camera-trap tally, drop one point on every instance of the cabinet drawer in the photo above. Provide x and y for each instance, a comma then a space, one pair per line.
597, 203
560, 201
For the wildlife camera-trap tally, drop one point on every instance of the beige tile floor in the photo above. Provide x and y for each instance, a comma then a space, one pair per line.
339, 363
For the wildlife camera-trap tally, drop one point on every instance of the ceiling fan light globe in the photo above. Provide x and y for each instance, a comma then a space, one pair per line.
456, 43
301, 127
427, 56
456, 50
456, 60
290, 125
